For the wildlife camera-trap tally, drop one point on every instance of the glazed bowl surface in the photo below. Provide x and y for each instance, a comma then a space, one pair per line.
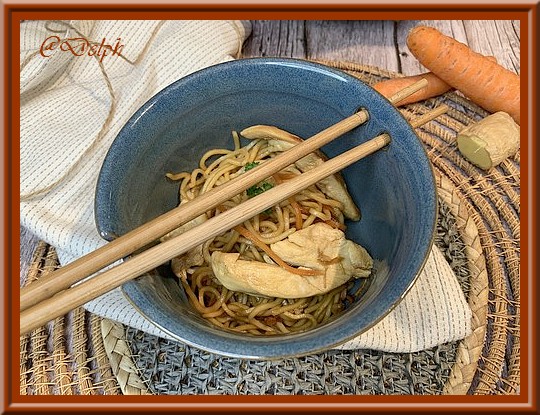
394, 187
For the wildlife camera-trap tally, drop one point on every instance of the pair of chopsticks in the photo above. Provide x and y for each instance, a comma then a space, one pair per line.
62, 290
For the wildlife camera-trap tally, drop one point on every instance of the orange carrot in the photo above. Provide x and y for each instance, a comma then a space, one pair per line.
436, 86
483, 81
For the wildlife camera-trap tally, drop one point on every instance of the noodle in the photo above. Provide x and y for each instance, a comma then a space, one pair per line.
241, 312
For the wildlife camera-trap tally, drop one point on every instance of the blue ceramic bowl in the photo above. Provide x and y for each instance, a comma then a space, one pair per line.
394, 187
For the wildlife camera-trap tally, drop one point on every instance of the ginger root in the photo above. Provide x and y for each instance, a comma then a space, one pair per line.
489, 141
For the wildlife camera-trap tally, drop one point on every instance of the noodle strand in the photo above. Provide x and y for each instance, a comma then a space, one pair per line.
237, 311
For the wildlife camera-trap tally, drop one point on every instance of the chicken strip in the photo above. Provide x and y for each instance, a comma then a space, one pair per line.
319, 247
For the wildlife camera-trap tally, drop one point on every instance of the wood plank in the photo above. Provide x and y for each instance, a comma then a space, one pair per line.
499, 38
276, 38
359, 41
364, 42
378, 43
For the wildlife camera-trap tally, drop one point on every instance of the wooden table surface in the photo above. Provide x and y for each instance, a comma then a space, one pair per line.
377, 43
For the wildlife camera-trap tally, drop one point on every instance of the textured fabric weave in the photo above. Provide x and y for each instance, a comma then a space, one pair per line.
72, 107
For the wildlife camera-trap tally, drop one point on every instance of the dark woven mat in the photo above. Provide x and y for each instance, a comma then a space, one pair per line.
172, 368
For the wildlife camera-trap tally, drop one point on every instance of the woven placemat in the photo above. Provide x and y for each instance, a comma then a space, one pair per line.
479, 232
67, 356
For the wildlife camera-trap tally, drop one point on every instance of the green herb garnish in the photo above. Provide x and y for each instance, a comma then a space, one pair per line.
258, 189
249, 166
266, 186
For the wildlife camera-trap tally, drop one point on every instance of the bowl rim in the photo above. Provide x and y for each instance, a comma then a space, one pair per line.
269, 350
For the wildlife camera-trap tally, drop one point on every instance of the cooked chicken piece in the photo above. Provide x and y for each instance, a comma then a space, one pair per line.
269, 132
322, 245
319, 247
333, 186
260, 278
191, 258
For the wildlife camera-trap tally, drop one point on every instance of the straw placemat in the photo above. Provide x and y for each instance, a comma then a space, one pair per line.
479, 232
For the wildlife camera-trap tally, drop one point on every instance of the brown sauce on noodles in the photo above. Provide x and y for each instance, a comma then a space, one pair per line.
242, 312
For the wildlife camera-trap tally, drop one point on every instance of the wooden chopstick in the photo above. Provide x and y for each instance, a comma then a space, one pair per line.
121, 247
92, 288
124, 245
149, 259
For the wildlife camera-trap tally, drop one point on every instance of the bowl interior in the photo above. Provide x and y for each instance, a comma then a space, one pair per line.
394, 187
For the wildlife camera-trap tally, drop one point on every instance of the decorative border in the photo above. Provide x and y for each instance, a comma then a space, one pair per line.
14, 402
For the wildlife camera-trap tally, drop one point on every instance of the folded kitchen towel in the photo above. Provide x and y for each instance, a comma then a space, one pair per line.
75, 99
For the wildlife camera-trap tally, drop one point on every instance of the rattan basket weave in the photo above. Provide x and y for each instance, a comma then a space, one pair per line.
82, 353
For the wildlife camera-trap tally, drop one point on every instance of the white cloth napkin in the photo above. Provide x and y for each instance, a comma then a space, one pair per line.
69, 120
